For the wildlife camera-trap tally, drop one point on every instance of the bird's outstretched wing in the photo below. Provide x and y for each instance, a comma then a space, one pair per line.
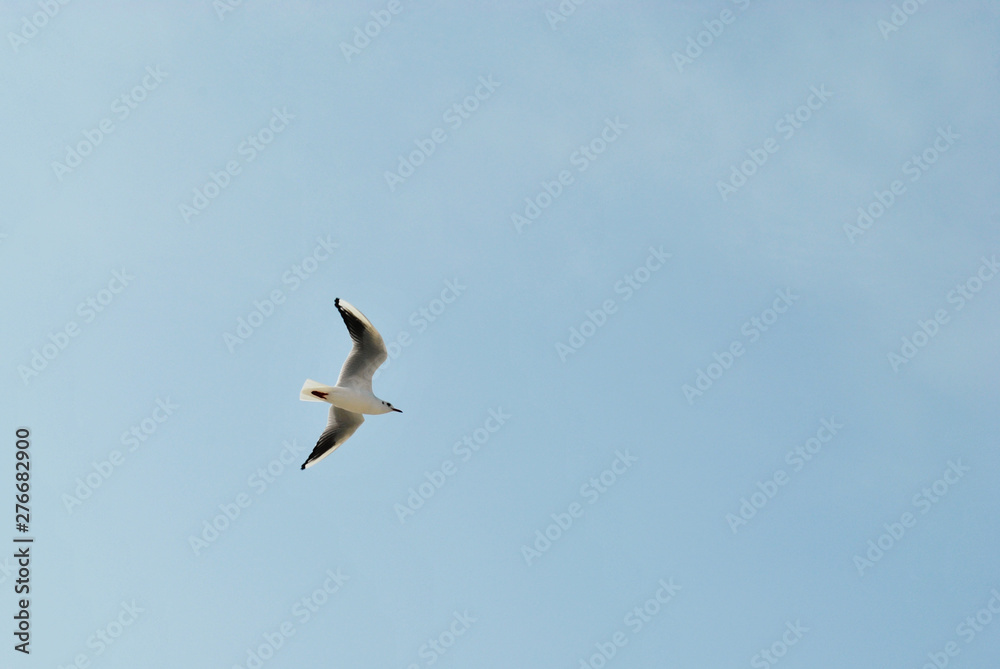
340, 426
368, 352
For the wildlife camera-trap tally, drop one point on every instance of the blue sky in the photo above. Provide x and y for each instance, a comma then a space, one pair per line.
666, 400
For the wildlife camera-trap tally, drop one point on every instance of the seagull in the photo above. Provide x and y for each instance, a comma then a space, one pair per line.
352, 396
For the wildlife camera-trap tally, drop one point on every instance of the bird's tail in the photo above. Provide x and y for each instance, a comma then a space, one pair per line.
313, 391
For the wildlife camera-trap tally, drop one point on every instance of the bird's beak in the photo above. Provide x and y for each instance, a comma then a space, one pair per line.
396, 410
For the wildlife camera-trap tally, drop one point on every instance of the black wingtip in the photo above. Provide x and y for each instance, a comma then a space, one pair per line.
336, 302
303, 466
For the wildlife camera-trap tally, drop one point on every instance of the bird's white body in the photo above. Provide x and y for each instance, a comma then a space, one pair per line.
352, 399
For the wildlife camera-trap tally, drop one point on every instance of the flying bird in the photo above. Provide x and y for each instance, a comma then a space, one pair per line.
352, 396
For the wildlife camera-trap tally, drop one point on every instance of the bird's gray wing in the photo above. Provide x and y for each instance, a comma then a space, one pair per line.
341, 425
368, 351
